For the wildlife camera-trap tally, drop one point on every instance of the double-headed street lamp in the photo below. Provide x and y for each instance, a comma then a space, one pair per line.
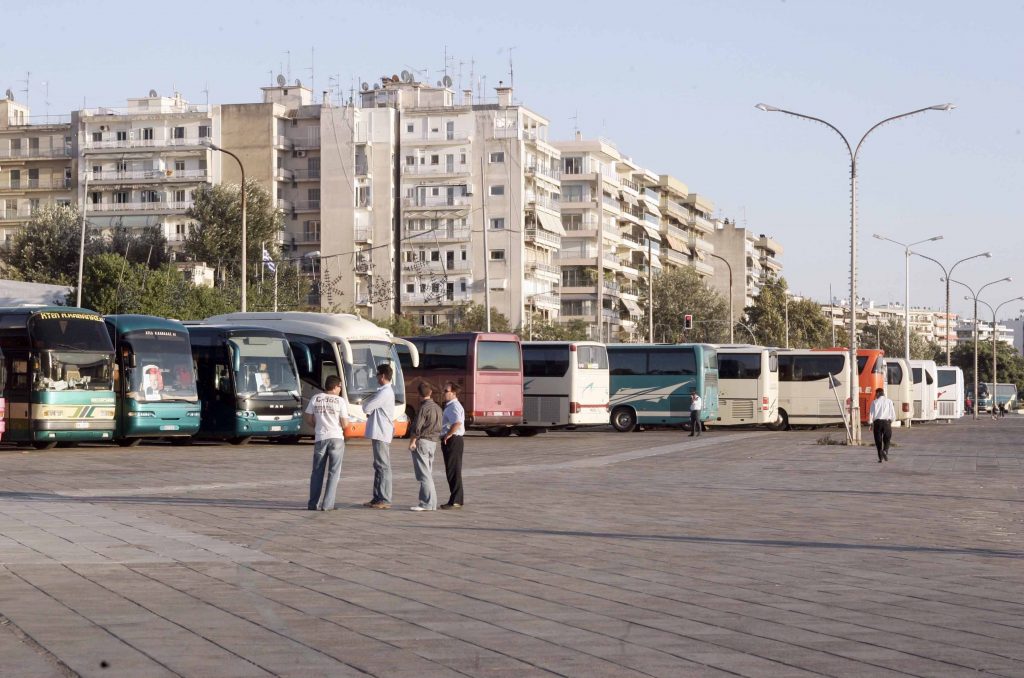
975, 295
995, 311
855, 432
245, 263
948, 273
906, 292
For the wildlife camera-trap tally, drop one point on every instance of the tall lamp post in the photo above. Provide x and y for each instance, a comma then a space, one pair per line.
855, 432
948, 273
245, 263
906, 291
995, 312
732, 318
975, 295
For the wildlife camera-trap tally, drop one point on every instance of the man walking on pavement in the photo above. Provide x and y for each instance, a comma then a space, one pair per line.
327, 413
380, 429
695, 406
883, 411
453, 427
426, 434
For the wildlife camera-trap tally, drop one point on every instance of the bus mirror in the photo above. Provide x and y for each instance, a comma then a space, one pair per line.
236, 356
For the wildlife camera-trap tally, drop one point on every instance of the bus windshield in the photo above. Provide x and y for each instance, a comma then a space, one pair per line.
163, 366
361, 379
545, 361
262, 366
75, 352
78, 370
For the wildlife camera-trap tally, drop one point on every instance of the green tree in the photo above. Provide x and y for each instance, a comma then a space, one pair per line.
541, 329
472, 317
808, 325
404, 326
141, 246
1009, 363
678, 292
46, 249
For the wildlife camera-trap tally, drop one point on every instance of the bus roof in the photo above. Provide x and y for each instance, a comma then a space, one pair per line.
131, 322
485, 336
566, 342
345, 325
197, 329
17, 316
705, 347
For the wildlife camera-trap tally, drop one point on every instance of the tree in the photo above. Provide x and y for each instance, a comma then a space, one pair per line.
540, 329
46, 249
890, 337
808, 325
404, 326
678, 292
1009, 363
472, 317
144, 246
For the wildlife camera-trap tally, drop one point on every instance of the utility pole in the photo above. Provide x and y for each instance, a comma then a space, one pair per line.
650, 294
487, 251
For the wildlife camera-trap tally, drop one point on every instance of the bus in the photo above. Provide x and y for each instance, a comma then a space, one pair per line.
487, 366
806, 393
748, 385
950, 392
899, 389
153, 379
871, 367
926, 401
340, 344
3, 401
565, 383
59, 375
246, 381
1006, 396
651, 383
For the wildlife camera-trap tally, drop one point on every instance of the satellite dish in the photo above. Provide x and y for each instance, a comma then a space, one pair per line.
298, 83
153, 93
376, 86
9, 95
281, 82
438, 83
394, 78
446, 81
365, 86
406, 76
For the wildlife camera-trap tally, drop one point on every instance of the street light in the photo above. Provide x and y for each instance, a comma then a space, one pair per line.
948, 273
995, 312
732, 321
975, 295
855, 432
906, 292
245, 263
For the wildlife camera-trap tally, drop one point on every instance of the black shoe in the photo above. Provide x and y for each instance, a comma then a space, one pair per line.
449, 507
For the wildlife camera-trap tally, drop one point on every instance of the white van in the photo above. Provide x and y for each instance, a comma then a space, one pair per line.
926, 387
899, 389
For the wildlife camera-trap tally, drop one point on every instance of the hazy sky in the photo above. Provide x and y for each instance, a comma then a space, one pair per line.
673, 84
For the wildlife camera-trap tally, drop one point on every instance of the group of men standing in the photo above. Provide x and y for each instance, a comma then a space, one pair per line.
327, 413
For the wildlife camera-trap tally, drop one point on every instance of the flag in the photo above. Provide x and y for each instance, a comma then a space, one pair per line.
268, 261
833, 383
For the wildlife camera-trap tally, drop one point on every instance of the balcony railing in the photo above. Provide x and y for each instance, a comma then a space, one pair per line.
146, 143
542, 201
44, 182
434, 169
438, 233
362, 168
578, 253
544, 171
544, 299
305, 174
437, 201
58, 152
428, 298
306, 206
587, 223
540, 236
626, 183
283, 142
282, 174
150, 174
577, 196
652, 194
541, 266
156, 206
363, 235
19, 213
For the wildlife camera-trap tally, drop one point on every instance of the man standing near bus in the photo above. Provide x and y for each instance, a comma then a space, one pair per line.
880, 417
327, 413
426, 434
380, 429
453, 428
696, 403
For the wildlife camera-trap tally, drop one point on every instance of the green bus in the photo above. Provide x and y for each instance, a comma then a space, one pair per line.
154, 379
651, 383
59, 375
247, 382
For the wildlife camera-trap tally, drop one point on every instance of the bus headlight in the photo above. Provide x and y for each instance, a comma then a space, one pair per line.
248, 414
142, 414
297, 413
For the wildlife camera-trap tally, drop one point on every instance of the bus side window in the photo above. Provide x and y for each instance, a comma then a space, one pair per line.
328, 368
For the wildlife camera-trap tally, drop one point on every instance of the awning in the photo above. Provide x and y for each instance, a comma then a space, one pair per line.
651, 230
655, 261
550, 222
678, 244
633, 307
630, 198
652, 207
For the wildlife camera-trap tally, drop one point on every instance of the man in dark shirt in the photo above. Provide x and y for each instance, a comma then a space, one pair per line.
426, 434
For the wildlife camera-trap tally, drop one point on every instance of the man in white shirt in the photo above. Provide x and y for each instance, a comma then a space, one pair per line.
380, 429
696, 403
327, 413
883, 411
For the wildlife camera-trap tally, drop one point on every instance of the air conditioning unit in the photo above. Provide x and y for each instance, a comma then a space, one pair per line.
469, 189
300, 154
103, 128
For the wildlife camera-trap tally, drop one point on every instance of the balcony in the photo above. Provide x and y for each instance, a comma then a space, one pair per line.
438, 234
628, 267
542, 201
772, 263
546, 300
631, 185
433, 170
436, 202
182, 142
115, 176
283, 174
305, 175
364, 235
283, 143
57, 152
284, 205
362, 169
435, 298
139, 207
701, 223
542, 237
703, 267
540, 270
680, 212
541, 170
701, 245
652, 195
16, 214
44, 183
584, 254
306, 206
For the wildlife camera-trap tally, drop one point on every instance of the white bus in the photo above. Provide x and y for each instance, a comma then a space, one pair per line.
748, 385
950, 393
926, 406
565, 383
321, 342
806, 397
899, 389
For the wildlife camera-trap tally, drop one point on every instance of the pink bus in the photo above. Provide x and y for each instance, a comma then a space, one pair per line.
487, 366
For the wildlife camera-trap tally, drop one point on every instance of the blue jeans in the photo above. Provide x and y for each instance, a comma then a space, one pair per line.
381, 471
325, 452
423, 466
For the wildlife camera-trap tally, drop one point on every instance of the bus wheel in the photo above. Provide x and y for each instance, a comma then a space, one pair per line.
527, 431
129, 442
241, 440
623, 419
783, 424
289, 440
499, 432
45, 444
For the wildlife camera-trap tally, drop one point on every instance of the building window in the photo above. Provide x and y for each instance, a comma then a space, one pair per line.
462, 158
122, 166
435, 159
179, 133
435, 255
96, 171
410, 288
498, 157
96, 136
121, 197
498, 189
498, 223
202, 163
204, 131
497, 255
122, 135
179, 165
95, 197
179, 196
410, 128
147, 133
410, 160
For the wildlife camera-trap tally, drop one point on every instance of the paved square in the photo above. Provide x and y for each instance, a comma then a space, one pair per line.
586, 553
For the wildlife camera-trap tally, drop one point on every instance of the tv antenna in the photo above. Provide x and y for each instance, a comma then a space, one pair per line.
511, 71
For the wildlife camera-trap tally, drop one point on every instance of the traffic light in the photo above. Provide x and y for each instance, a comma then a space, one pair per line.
687, 322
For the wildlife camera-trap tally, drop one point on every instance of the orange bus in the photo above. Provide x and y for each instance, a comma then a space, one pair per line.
871, 366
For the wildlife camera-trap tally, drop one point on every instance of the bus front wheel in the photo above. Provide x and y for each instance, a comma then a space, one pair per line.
129, 442
241, 440
499, 432
527, 431
623, 419
45, 444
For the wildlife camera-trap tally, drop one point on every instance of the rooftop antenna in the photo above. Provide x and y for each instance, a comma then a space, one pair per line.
575, 123
206, 91
28, 76
311, 69
511, 71
271, 72
288, 73
46, 100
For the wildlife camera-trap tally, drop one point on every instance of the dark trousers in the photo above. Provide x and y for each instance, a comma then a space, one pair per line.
452, 451
883, 434
695, 425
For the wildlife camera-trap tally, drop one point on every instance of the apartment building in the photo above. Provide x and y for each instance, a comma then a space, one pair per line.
685, 226
1005, 331
927, 323
754, 259
36, 166
140, 166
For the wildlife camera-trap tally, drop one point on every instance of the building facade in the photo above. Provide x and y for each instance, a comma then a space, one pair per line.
754, 259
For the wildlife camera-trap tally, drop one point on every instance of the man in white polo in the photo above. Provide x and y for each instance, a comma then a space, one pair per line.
883, 411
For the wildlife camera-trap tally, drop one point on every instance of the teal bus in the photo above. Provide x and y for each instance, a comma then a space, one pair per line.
651, 383
247, 382
153, 378
59, 387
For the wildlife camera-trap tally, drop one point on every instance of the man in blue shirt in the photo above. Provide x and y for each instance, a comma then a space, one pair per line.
453, 427
380, 429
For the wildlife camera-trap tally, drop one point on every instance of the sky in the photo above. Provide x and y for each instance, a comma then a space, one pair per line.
672, 84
